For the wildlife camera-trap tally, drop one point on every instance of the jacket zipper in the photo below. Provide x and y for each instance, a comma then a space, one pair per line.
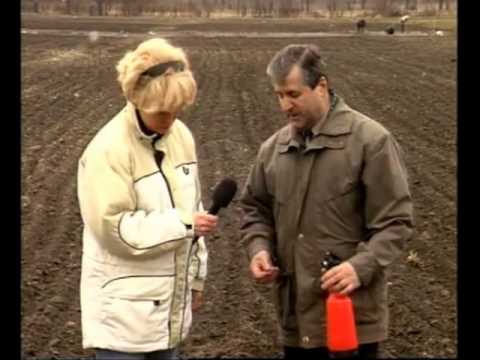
159, 155
171, 304
187, 267
169, 330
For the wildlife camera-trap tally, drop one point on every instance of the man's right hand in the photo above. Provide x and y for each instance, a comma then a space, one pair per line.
262, 269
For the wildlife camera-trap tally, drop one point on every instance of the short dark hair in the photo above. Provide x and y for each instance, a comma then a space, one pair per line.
306, 56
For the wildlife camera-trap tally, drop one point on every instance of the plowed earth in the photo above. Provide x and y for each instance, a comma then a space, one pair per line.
69, 91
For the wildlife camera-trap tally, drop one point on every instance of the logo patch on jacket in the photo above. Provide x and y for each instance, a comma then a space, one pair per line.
186, 170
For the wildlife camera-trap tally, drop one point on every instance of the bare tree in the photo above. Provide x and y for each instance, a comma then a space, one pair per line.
349, 4
91, 9
383, 6
332, 7
443, 4
72, 6
410, 4
68, 7
307, 6
108, 6
270, 8
242, 8
207, 7
125, 7
257, 9
100, 7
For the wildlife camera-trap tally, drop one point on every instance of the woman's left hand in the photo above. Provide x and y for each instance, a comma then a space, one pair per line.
197, 300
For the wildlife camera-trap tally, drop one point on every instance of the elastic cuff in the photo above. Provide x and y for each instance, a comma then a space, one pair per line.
365, 266
257, 245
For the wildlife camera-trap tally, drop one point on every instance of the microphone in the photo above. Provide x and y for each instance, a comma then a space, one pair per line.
222, 196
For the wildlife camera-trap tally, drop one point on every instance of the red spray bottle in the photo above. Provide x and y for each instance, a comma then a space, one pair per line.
342, 341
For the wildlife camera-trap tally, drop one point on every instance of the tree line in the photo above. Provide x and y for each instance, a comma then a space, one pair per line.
256, 8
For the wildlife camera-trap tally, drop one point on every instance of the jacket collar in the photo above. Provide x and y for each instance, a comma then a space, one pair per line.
135, 125
325, 134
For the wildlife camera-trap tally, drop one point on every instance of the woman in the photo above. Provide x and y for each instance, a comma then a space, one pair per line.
139, 192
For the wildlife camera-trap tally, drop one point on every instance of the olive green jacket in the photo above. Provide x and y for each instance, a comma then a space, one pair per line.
346, 191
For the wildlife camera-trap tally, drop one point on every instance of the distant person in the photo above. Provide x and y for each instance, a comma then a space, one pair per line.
140, 201
403, 20
331, 180
361, 25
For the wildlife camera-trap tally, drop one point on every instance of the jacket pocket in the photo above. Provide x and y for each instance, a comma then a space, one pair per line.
366, 306
285, 303
341, 188
136, 309
342, 215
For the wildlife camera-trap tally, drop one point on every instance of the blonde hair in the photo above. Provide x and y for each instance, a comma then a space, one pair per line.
172, 91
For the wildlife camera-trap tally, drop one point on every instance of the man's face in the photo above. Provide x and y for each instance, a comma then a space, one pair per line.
302, 105
158, 122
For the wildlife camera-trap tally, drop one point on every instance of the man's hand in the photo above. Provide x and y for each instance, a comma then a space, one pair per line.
197, 300
262, 269
341, 279
204, 223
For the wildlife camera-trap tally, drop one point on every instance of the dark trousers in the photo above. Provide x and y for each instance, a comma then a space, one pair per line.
365, 351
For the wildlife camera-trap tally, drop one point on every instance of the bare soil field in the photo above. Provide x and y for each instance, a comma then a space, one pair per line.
69, 91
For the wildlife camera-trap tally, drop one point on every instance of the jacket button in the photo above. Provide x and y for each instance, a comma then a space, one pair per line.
300, 236
306, 339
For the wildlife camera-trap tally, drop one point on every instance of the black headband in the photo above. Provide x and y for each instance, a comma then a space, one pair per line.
159, 69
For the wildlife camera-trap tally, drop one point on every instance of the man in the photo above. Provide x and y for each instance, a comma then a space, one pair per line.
332, 180
144, 259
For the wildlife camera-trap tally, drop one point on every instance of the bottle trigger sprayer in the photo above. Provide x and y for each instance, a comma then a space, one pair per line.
342, 339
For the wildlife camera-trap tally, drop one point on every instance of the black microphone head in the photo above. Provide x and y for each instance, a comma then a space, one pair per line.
223, 194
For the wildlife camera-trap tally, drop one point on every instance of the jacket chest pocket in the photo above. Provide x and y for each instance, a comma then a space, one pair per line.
286, 174
185, 191
185, 175
325, 173
332, 175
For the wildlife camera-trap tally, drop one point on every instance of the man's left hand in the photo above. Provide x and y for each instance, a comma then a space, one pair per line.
197, 300
341, 279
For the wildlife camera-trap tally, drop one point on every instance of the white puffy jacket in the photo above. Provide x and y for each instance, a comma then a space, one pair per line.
139, 261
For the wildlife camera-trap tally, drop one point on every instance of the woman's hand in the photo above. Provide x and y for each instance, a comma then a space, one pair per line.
204, 223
